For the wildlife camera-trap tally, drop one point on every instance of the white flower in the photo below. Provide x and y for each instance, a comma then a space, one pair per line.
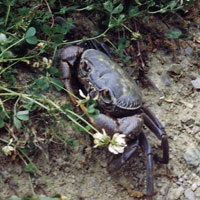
3, 38
101, 139
41, 44
117, 144
47, 62
7, 150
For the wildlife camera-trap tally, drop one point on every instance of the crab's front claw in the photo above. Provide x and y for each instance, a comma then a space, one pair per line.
130, 126
68, 56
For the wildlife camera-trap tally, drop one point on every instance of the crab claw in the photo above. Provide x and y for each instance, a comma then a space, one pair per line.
70, 54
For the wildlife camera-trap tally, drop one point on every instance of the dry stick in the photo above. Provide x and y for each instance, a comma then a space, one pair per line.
142, 63
50, 13
138, 47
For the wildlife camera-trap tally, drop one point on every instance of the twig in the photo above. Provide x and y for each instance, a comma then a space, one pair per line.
50, 13
139, 50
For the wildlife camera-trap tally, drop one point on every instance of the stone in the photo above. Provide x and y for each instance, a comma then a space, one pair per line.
196, 83
192, 156
189, 50
194, 187
175, 193
189, 194
197, 193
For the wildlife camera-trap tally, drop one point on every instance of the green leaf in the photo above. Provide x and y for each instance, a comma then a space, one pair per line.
54, 71
1, 123
121, 18
41, 84
47, 29
108, 5
88, 127
78, 127
122, 43
72, 142
30, 168
23, 115
151, 4
118, 9
91, 109
30, 36
30, 32
57, 38
32, 40
174, 34
138, 2
116, 21
57, 84
173, 4
17, 122
133, 11
67, 106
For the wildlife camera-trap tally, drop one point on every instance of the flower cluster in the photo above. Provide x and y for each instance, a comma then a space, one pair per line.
8, 150
116, 145
101, 139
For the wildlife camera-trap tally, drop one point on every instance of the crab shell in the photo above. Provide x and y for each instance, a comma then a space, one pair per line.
106, 82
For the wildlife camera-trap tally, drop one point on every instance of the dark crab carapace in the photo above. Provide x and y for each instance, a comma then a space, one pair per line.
120, 101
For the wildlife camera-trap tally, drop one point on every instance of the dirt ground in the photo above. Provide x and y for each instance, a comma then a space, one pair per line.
83, 174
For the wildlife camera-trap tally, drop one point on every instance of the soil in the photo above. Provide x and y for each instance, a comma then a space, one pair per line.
83, 174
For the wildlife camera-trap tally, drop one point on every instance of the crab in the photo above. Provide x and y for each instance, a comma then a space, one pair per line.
120, 101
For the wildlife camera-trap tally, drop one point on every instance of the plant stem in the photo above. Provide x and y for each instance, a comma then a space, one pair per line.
11, 46
51, 103
87, 39
7, 13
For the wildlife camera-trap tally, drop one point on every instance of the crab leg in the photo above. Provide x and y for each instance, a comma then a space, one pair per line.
147, 151
153, 117
156, 127
128, 153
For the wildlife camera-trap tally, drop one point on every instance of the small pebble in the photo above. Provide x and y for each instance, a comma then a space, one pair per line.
196, 83
175, 193
166, 80
189, 194
187, 104
197, 193
189, 50
192, 156
185, 64
194, 187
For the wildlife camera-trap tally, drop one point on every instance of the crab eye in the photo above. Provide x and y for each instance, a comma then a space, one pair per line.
94, 94
84, 68
106, 96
